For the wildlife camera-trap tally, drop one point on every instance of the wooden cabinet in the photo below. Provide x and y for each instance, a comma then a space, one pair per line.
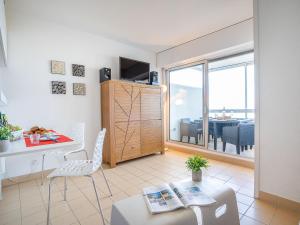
132, 115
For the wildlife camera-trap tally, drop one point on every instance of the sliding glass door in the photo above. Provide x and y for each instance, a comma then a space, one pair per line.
186, 104
231, 105
211, 104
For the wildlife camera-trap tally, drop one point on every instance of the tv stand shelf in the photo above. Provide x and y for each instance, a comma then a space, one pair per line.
133, 116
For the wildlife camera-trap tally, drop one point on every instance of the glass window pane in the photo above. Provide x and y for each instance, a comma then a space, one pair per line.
186, 89
231, 103
250, 87
227, 90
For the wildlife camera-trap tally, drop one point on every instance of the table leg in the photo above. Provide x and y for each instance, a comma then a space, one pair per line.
1, 189
215, 143
2, 172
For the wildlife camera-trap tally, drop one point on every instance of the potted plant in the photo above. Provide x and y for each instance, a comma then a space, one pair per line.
4, 138
16, 132
195, 164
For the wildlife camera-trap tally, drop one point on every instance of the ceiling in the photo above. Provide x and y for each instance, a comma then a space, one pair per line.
154, 25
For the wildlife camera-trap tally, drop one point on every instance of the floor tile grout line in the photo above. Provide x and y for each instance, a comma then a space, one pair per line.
244, 214
259, 220
44, 203
73, 213
98, 212
255, 220
46, 208
274, 213
20, 203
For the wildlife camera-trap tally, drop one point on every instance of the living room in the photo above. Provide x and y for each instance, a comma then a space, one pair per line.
223, 86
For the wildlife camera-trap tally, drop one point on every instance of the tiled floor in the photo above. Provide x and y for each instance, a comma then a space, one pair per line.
230, 149
26, 203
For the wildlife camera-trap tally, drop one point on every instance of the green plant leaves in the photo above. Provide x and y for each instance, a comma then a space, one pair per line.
196, 162
5, 133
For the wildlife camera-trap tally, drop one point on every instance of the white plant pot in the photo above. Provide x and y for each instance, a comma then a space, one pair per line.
197, 176
4, 145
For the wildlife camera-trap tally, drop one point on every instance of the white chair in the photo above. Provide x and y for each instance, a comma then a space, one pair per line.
77, 133
75, 168
224, 211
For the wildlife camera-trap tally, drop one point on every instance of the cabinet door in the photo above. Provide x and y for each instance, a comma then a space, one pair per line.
151, 136
150, 104
127, 102
127, 140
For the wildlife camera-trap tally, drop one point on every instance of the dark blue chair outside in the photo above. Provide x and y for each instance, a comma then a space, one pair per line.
185, 128
191, 129
216, 127
241, 136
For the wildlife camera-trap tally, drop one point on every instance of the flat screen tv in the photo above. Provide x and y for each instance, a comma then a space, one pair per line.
134, 70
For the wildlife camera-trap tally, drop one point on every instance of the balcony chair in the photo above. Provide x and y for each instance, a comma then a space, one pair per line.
184, 128
241, 136
197, 130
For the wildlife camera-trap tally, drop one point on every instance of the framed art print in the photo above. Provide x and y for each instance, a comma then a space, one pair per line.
57, 67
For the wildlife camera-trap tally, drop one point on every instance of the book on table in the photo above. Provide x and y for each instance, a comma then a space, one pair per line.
175, 195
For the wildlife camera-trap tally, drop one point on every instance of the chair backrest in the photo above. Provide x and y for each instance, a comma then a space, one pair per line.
193, 129
97, 158
185, 120
184, 126
77, 133
246, 133
199, 124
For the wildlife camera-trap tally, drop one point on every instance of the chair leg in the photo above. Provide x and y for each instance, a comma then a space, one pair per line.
98, 202
215, 143
238, 150
86, 155
49, 200
105, 180
224, 146
42, 175
65, 189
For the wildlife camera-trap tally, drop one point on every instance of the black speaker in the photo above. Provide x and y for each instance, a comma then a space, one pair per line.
153, 79
105, 74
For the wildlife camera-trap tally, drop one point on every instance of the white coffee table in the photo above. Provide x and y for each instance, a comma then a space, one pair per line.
134, 211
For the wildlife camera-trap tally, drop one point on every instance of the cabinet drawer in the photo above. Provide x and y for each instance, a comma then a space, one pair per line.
127, 140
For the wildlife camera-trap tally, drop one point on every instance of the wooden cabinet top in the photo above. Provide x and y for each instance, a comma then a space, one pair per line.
131, 83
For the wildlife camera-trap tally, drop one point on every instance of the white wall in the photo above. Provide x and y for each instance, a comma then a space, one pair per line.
227, 41
278, 50
3, 38
1, 80
32, 43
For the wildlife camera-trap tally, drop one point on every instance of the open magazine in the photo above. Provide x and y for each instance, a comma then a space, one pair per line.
168, 197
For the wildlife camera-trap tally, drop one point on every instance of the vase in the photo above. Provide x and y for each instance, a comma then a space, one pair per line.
4, 145
197, 176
